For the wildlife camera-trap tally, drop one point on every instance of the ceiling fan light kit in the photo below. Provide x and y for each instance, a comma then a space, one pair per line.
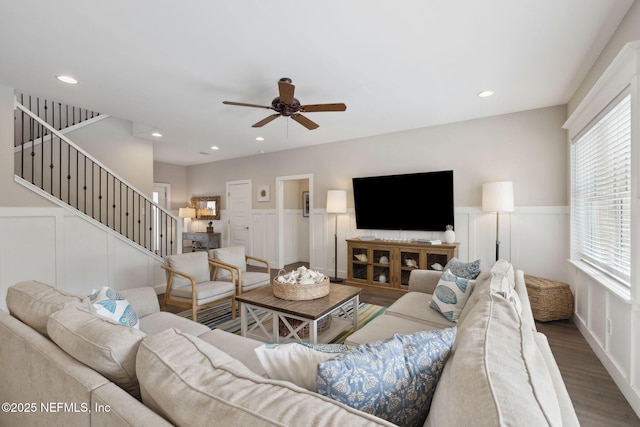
287, 105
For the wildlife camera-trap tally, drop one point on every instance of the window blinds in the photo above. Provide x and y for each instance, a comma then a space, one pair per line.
601, 190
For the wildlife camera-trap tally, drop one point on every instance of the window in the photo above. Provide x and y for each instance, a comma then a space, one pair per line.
601, 190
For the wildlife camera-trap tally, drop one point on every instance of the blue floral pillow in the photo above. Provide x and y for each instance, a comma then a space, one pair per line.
109, 303
393, 379
467, 270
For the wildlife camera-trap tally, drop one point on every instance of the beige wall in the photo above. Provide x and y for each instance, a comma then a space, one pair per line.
528, 148
627, 31
176, 176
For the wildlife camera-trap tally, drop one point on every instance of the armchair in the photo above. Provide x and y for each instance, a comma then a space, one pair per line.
191, 282
234, 257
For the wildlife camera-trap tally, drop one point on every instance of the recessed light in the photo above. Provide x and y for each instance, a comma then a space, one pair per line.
259, 138
215, 147
67, 79
157, 134
485, 93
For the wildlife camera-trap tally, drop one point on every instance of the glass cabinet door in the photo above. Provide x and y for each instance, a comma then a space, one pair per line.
409, 260
381, 266
359, 263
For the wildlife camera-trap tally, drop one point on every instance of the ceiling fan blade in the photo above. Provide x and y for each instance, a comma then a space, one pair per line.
323, 107
286, 91
266, 120
243, 104
304, 121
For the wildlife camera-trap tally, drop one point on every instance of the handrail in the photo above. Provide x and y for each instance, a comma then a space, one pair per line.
91, 187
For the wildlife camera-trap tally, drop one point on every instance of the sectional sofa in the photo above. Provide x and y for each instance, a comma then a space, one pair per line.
62, 364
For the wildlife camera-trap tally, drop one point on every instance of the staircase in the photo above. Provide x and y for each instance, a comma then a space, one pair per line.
50, 164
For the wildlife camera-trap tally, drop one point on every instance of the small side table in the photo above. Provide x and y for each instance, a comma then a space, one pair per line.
550, 300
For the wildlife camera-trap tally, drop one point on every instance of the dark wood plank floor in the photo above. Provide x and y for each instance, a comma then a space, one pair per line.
596, 398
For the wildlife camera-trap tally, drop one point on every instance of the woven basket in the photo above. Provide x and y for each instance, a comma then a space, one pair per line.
550, 300
296, 292
323, 325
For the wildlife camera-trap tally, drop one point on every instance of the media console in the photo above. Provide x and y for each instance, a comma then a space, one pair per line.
386, 265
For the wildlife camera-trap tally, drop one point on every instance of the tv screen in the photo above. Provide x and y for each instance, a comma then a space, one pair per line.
417, 201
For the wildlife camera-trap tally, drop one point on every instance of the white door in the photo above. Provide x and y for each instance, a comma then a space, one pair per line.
239, 213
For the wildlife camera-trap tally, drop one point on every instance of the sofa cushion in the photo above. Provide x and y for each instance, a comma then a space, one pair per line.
414, 306
32, 302
385, 326
158, 322
495, 372
296, 362
100, 343
179, 372
450, 295
393, 379
468, 270
107, 302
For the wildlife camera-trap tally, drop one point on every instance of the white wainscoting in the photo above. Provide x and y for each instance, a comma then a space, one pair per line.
55, 246
610, 322
534, 239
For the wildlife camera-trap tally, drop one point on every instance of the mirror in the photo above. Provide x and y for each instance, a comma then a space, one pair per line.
207, 208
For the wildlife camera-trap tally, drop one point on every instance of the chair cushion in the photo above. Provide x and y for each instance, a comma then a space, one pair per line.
206, 291
195, 264
179, 372
233, 255
102, 344
32, 302
254, 279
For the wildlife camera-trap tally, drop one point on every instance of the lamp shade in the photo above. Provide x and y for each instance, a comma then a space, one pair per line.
336, 201
497, 196
187, 213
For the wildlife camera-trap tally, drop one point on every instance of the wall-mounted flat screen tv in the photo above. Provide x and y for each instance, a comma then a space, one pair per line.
416, 201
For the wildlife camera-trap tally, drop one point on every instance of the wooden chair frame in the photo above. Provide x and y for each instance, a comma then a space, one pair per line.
213, 268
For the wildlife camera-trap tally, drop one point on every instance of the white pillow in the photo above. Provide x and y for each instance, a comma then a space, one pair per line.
450, 295
296, 362
109, 303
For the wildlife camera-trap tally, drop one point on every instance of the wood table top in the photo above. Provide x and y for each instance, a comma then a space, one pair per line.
309, 309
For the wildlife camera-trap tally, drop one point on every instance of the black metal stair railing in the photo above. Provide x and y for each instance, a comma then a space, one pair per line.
56, 166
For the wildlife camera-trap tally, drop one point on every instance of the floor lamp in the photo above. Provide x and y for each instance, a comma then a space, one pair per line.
336, 204
497, 197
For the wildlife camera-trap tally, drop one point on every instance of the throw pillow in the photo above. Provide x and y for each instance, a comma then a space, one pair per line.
467, 270
296, 362
393, 379
450, 295
109, 303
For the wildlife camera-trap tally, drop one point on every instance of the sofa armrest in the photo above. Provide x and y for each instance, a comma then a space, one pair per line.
143, 300
424, 280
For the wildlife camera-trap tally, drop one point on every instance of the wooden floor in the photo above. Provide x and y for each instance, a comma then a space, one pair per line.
596, 398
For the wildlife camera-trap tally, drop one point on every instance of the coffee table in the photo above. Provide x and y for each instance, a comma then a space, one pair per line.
268, 311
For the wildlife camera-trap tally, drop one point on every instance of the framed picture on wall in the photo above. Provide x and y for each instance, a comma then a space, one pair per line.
263, 193
305, 203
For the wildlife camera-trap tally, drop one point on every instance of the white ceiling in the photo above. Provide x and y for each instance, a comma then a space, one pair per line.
401, 65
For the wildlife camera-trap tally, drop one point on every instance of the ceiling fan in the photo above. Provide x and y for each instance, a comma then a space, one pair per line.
288, 106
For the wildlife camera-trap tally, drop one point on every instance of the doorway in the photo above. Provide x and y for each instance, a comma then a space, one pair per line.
283, 200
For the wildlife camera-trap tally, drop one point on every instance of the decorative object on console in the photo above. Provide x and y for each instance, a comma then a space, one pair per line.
210, 227
363, 258
497, 197
337, 204
384, 260
411, 263
449, 235
186, 213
